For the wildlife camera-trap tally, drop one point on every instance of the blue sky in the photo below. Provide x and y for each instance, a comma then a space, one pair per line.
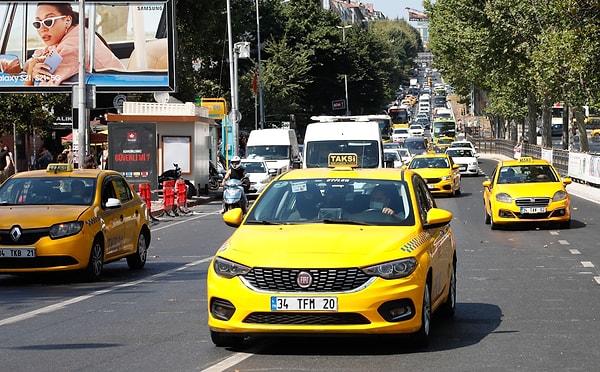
396, 8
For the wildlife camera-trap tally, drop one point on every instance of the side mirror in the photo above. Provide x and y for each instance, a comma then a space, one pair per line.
437, 217
486, 183
233, 217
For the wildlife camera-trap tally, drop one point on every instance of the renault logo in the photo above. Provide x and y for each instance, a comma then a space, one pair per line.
15, 233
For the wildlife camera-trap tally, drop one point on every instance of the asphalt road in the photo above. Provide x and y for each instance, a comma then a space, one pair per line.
527, 300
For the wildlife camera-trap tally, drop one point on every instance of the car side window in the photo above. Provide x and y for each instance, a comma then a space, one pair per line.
424, 199
108, 191
124, 191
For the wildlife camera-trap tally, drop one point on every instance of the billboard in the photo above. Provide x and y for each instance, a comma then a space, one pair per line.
132, 48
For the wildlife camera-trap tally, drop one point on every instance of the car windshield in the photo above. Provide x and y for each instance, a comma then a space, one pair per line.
527, 174
254, 167
48, 191
341, 201
428, 163
317, 152
274, 152
462, 153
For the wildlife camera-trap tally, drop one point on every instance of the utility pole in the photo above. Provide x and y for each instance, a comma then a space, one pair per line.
261, 107
345, 76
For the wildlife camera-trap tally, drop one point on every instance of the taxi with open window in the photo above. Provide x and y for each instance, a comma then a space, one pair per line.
334, 250
526, 190
439, 171
62, 219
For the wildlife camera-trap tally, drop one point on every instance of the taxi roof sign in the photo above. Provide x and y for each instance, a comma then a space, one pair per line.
524, 159
59, 167
342, 160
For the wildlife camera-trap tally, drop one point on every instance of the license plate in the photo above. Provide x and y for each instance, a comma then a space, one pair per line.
531, 210
304, 303
17, 253
464, 167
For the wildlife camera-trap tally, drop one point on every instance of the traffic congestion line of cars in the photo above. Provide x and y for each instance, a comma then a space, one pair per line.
62, 219
336, 250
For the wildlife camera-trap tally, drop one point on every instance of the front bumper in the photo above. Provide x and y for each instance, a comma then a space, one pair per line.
379, 306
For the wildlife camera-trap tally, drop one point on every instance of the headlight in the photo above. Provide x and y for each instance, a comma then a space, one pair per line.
473, 163
503, 198
229, 269
559, 195
446, 178
62, 230
394, 269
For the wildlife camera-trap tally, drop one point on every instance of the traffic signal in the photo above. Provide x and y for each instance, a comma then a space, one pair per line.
429, 81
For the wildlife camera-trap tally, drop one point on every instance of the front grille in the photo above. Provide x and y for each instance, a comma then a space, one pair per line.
532, 202
285, 318
28, 237
432, 180
323, 280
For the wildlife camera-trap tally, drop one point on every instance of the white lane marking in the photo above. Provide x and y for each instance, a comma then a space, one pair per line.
563, 242
587, 264
228, 363
63, 304
181, 221
574, 251
554, 232
597, 279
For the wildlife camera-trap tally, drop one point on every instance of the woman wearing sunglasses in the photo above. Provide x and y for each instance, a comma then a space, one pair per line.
58, 27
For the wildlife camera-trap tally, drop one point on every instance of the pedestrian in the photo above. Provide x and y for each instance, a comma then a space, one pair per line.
90, 162
45, 158
4, 163
11, 161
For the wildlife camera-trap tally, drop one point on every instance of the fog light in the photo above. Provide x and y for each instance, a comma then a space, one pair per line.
506, 214
398, 310
221, 309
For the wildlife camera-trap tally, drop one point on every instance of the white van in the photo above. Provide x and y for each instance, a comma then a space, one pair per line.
360, 137
277, 147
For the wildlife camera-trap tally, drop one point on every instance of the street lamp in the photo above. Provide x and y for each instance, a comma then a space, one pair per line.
345, 76
261, 107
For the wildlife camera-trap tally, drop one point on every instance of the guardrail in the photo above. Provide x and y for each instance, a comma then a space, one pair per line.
582, 167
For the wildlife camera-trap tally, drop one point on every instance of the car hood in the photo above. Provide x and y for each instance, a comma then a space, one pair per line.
325, 245
35, 216
528, 190
463, 159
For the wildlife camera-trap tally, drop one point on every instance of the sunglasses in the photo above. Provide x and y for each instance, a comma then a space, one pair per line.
48, 22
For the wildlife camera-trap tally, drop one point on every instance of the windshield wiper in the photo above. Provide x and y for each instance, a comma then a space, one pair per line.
264, 222
346, 222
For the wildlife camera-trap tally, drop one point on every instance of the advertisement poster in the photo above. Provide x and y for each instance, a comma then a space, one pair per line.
132, 152
132, 48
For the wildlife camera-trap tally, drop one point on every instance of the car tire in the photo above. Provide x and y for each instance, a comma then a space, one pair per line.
421, 337
137, 260
449, 307
487, 219
96, 262
493, 225
221, 339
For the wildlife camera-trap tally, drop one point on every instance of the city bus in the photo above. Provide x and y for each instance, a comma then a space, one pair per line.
400, 116
442, 127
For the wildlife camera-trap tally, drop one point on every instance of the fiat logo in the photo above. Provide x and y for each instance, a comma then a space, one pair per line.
304, 279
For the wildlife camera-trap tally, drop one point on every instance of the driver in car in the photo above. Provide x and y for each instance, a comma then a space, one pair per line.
385, 199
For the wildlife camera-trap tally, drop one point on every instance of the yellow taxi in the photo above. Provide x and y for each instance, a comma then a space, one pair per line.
442, 143
595, 135
526, 190
440, 172
335, 250
62, 219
